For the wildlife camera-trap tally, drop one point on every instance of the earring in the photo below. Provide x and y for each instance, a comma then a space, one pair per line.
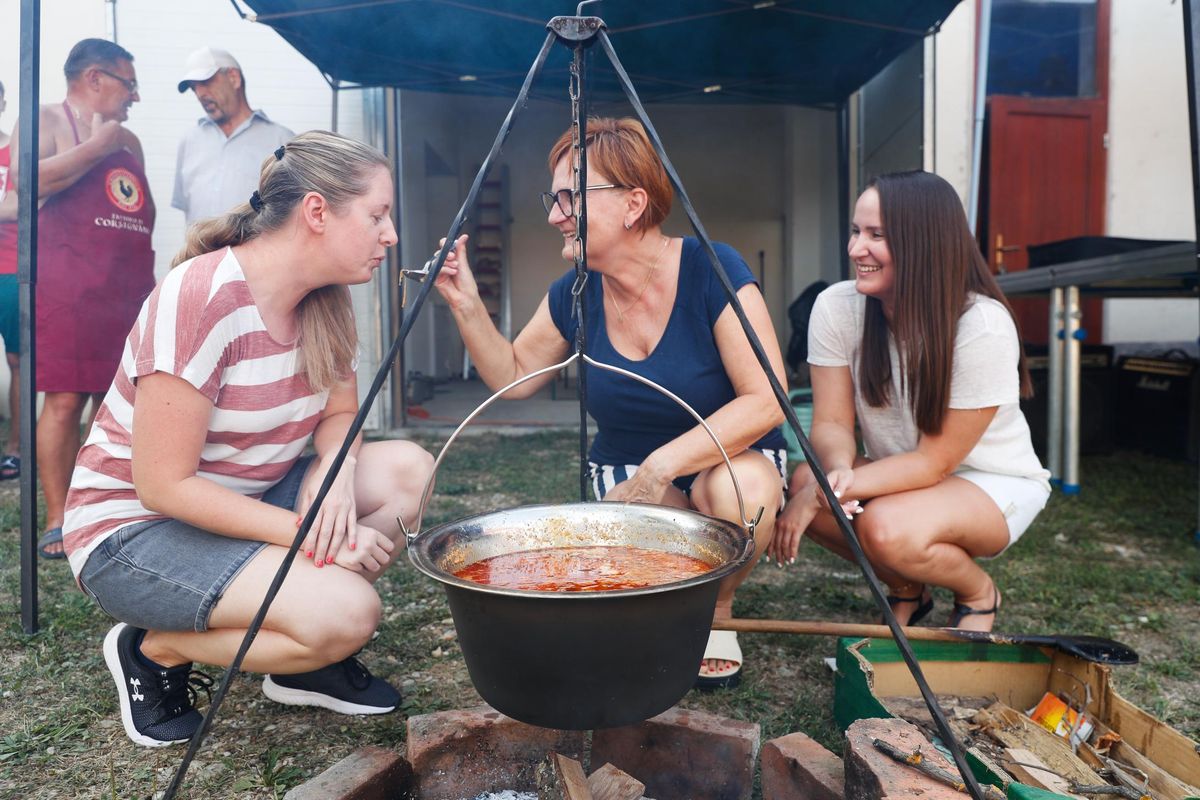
628, 227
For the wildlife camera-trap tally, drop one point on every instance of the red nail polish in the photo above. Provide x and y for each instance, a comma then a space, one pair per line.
320, 563
352, 545
308, 554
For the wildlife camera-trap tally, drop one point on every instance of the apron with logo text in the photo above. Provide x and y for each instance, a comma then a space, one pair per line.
95, 267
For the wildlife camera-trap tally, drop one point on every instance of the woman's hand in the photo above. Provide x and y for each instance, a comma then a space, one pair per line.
373, 553
455, 281
840, 480
336, 522
645, 486
798, 513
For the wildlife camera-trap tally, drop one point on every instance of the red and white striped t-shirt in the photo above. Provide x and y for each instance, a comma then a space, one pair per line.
200, 324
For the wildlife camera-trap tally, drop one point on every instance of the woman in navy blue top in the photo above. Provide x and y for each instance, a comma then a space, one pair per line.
654, 306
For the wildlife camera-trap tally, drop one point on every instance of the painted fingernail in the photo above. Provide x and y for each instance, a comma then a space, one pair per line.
352, 545
298, 521
320, 563
858, 510
792, 560
308, 554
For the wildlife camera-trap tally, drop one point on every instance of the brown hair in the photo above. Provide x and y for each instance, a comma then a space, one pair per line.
937, 265
620, 150
337, 168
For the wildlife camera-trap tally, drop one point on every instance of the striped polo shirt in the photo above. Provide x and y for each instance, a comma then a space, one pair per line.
200, 324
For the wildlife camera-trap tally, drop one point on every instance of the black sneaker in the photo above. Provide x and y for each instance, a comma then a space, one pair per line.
345, 687
156, 703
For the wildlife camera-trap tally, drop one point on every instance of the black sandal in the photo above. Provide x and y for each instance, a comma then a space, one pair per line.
962, 610
926, 605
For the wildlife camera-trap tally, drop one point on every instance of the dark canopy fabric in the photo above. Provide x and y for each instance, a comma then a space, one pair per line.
804, 52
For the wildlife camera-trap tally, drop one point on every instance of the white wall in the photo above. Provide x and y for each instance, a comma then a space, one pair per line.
950, 99
1149, 159
160, 34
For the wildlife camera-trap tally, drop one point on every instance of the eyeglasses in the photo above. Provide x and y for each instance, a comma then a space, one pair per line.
568, 200
130, 86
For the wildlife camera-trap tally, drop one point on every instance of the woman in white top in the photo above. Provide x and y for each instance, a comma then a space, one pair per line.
921, 349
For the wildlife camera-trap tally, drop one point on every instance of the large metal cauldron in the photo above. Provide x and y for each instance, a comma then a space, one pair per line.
582, 660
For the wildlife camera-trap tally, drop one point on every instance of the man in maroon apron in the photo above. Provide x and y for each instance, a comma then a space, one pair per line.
95, 261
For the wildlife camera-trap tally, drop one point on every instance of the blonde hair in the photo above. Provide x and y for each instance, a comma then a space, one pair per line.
337, 168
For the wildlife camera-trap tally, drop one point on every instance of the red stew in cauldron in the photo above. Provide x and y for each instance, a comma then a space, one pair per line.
595, 568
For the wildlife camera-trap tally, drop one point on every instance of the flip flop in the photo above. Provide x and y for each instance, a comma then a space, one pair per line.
52, 536
722, 646
10, 467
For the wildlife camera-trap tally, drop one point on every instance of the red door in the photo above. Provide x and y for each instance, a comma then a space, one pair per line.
1046, 181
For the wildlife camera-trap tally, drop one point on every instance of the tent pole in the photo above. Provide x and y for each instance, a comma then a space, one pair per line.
27, 181
333, 114
843, 171
983, 49
1191, 29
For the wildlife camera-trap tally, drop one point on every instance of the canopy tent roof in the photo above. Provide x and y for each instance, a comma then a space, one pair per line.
803, 52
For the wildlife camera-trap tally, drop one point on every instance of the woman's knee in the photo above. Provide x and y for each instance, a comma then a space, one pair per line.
884, 538
348, 623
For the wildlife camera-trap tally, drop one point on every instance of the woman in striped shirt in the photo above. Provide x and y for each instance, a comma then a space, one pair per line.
193, 480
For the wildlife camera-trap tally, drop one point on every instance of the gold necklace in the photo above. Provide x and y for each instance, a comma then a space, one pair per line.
645, 283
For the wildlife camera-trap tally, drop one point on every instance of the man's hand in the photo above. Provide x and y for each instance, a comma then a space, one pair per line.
107, 135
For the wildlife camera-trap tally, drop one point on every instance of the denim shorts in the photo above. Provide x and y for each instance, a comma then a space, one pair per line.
167, 575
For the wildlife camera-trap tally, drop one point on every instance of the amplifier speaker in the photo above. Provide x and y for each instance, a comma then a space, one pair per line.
1097, 400
1158, 403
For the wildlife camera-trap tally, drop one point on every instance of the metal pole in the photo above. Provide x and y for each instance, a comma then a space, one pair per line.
333, 122
1072, 333
1191, 29
1054, 388
843, 167
27, 192
984, 27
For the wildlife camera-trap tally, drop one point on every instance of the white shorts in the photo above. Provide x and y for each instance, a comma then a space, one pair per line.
1019, 499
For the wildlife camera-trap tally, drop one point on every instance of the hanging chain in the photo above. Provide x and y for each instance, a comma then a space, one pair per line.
575, 91
579, 248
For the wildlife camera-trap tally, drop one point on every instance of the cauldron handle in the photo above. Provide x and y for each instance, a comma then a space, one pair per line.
749, 524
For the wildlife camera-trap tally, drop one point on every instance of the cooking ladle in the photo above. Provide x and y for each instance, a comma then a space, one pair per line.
1088, 648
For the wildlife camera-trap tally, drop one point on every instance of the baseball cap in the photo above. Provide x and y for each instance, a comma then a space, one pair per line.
203, 64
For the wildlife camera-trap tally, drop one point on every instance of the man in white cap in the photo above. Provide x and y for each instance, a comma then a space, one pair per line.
218, 162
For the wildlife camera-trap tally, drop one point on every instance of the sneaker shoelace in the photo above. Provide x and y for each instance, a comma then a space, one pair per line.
180, 691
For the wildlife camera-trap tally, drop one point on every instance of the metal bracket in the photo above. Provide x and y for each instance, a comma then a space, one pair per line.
576, 29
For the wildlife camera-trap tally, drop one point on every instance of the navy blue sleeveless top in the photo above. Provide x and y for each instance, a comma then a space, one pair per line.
632, 419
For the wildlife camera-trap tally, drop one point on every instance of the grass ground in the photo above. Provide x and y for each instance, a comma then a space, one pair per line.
1116, 561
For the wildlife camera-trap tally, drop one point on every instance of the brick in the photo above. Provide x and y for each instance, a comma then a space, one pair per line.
369, 773
682, 753
872, 775
469, 752
794, 767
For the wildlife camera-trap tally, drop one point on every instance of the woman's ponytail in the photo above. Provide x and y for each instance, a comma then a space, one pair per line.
217, 233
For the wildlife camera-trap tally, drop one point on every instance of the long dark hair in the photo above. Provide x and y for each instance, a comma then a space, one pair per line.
937, 265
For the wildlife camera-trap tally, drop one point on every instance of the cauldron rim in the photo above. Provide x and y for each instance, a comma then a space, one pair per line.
423, 562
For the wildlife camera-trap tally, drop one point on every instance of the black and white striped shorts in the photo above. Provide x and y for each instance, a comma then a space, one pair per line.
605, 476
